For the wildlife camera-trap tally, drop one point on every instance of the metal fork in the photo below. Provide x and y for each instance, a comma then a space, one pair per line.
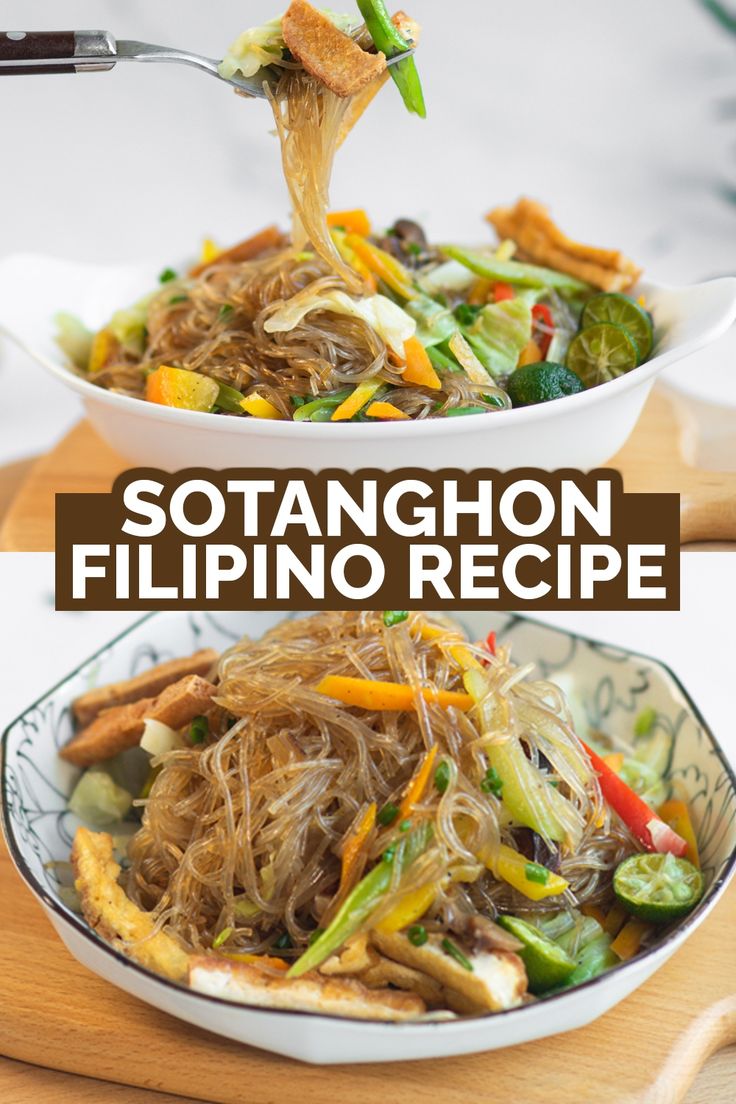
23, 52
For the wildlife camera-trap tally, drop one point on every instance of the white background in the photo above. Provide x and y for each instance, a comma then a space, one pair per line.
38, 646
615, 114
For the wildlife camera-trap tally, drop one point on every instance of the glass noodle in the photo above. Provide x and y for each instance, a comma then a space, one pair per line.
247, 832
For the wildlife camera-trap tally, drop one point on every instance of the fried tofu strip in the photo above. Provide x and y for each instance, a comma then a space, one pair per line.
497, 980
249, 984
145, 685
385, 971
328, 54
117, 729
541, 241
269, 238
110, 912
408, 30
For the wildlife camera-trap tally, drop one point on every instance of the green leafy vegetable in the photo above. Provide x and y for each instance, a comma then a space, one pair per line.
394, 617
499, 333
73, 338
98, 800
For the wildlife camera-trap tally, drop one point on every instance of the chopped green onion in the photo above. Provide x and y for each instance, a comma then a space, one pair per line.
492, 783
414, 248
461, 411
466, 313
178, 299
536, 873
198, 730
417, 935
167, 275
442, 776
229, 398
405, 825
225, 310
394, 617
645, 722
283, 943
221, 938
389, 854
314, 936
298, 400
388, 814
450, 948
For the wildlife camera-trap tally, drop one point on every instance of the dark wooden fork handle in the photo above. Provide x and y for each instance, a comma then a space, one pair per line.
53, 47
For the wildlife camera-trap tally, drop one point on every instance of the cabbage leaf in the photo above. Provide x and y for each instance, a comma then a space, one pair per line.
499, 333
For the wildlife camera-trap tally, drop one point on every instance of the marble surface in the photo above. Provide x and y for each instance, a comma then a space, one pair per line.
622, 118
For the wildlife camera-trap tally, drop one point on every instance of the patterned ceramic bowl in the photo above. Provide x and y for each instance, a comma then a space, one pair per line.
609, 688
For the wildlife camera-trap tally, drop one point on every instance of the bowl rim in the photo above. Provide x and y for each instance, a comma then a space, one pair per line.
79, 925
433, 427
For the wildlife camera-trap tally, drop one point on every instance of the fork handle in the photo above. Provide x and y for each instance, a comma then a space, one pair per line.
23, 52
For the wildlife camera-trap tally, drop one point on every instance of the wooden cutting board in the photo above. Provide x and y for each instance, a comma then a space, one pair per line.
646, 1051
653, 459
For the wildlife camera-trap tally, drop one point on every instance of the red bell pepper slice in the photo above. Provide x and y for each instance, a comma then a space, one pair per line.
542, 313
649, 829
502, 291
491, 643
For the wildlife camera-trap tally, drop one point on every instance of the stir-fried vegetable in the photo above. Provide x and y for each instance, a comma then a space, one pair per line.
372, 694
388, 40
365, 898
649, 829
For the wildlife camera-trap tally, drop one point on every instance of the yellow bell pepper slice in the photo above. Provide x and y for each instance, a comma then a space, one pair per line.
511, 866
362, 394
209, 252
351, 258
259, 407
409, 908
383, 265
459, 652
675, 813
104, 344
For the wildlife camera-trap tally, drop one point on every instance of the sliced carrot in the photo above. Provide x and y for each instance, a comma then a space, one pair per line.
258, 407
355, 222
480, 293
418, 784
243, 251
383, 265
259, 960
675, 813
362, 394
628, 940
386, 410
530, 354
615, 760
387, 696
419, 368
595, 911
355, 843
615, 918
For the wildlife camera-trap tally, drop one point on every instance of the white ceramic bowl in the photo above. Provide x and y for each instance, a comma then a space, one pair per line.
609, 686
581, 431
